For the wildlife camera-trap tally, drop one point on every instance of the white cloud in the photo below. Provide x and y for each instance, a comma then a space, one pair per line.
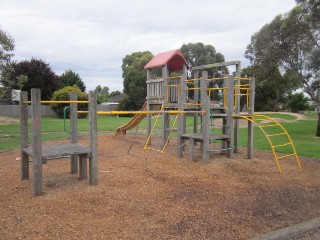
92, 37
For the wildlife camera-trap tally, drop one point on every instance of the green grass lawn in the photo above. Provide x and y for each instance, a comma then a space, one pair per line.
302, 132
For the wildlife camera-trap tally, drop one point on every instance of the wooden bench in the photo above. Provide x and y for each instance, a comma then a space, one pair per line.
59, 151
41, 154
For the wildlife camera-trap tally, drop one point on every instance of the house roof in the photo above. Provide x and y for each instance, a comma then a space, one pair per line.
118, 98
174, 59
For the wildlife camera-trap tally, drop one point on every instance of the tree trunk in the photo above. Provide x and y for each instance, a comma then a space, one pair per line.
318, 126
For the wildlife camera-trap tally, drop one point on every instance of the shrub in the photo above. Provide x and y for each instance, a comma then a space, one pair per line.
63, 94
298, 102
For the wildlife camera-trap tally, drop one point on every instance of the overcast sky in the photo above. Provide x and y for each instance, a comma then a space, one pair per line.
92, 37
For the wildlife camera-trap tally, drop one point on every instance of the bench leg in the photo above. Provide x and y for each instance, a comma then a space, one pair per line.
74, 164
24, 166
192, 149
82, 167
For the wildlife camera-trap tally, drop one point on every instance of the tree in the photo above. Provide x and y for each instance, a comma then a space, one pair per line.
63, 94
6, 48
298, 102
114, 93
198, 54
271, 90
36, 74
292, 43
134, 79
70, 78
102, 94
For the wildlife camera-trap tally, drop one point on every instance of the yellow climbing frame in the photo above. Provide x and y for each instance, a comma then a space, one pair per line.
260, 121
167, 139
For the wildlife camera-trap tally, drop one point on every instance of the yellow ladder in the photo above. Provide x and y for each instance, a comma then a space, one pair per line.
166, 140
275, 133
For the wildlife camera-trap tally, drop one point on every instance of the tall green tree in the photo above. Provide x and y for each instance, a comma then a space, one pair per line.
31, 74
199, 54
134, 79
291, 43
6, 48
102, 94
70, 78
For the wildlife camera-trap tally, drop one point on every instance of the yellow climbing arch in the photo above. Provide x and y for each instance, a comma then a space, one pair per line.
275, 133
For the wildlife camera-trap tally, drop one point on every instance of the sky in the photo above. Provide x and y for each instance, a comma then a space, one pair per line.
92, 37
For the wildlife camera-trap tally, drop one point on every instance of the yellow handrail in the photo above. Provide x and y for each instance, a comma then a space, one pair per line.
58, 102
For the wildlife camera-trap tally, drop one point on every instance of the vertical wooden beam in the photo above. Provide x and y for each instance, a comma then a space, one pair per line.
166, 100
192, 149
230, 104
74, 130
148, 104
164, 76
93, 139
24, 135
251, 112
225, 122
36, 142
206, 117
237, 109
181, 117
83, 166
196, 101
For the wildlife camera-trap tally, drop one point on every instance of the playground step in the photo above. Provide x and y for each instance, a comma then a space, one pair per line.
218, 115
199, 136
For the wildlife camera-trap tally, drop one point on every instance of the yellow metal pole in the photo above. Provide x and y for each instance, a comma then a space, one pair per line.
57, 102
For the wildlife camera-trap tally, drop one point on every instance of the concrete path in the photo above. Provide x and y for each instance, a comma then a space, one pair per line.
302, 231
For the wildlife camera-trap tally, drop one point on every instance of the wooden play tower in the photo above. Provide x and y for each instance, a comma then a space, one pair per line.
196, 97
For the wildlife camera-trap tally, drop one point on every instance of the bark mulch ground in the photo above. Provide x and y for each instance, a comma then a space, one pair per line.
144, 194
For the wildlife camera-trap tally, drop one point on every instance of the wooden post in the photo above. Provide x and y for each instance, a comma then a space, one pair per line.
24, 135
181, 117
166, 100
83, 166
251, 112
36, 141
148, 104
237, 109
74, 130
93, 139
196, 101
206, 117
225, 120
230, 104
192, 149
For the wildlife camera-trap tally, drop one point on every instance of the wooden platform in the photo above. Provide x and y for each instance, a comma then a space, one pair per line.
199, 136
60, 151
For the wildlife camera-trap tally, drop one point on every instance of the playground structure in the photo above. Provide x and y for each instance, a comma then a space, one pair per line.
205, 98
78, 153
212, 98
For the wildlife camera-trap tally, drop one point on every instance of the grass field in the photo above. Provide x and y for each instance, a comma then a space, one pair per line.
302, 132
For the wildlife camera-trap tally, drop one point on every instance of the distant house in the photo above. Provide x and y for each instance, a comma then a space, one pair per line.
118, 98
113, 103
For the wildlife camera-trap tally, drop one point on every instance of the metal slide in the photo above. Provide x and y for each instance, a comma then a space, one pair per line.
133, 122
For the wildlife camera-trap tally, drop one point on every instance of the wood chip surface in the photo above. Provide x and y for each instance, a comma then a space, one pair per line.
144, 194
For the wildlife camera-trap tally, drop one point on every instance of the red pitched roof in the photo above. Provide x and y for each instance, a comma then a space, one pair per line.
174, 59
